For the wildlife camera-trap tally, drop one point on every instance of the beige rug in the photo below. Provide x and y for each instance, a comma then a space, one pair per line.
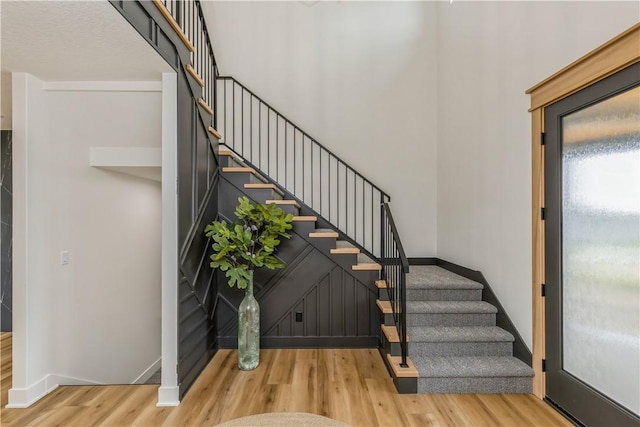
277, 419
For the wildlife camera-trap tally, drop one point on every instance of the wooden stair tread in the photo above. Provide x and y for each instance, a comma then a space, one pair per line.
384, 306
238, 169
367, 267
399, 371
381, 284
343, 251
214, 132
303, 218
283, 202
204, 105
324, 234
260, 185
195, 74
225, 153
391, 332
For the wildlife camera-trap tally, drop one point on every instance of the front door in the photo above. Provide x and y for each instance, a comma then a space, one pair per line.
592, 251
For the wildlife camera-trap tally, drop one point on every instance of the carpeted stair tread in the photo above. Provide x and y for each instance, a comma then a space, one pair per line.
448, 334
434, 277
471, 366
466, 307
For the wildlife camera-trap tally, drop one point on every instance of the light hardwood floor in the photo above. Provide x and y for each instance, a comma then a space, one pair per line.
348, 385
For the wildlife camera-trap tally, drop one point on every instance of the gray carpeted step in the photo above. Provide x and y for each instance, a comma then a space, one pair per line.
473, 375
434, 277
444, 294
450, 313
460, 341
432, 283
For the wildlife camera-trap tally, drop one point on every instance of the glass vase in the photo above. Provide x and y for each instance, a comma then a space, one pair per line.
249, 330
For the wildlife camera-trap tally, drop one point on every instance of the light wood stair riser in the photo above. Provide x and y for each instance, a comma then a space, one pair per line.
324, 235
367, 267
305, 218
345, 251
238, 170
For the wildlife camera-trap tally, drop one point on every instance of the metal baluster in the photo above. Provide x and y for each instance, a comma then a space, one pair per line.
260, 135
320, 177
242, 119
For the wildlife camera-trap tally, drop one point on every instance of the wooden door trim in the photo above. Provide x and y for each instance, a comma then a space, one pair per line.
614, 55
609, 58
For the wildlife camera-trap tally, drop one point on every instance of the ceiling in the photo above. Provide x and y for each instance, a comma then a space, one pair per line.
74, 40
70, 41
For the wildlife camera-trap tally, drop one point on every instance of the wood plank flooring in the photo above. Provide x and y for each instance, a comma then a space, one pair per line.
350, 385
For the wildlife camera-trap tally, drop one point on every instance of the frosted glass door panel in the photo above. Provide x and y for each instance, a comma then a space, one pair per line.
601, 247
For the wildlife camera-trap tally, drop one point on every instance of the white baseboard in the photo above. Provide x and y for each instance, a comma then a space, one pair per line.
25, 397
168, 396
148, 373
64, 380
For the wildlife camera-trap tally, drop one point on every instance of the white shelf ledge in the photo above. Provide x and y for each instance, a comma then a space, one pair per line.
144, 162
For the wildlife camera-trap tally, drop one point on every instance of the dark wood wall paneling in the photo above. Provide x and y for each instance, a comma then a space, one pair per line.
6, 232
317, 301
197, 197
335, 306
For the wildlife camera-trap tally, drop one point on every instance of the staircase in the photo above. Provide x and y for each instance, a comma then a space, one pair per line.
265, 192
454, 343
344, 249
325, 297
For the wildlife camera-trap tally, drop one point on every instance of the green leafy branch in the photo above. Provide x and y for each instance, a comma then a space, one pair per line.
249, 243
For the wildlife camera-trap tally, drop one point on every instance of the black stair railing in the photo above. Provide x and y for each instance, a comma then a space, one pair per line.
395, 267
300, 164
190, 18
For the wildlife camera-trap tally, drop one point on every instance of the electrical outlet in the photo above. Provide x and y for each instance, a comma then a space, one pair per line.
64, 258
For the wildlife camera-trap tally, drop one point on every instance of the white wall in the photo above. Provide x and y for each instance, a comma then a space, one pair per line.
32, 313
427, 100
359, 77
96, 319
489, 54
